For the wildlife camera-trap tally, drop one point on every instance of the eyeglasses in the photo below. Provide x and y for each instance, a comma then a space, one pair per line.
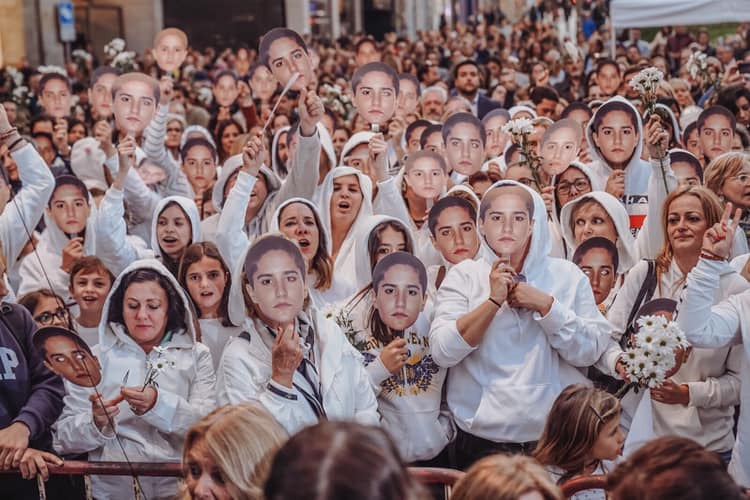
580, 185
46, 318
742, 178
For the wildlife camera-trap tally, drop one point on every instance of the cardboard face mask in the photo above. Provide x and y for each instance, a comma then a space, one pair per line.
375, 98
286, 57
399, 297
67, 355
426, 177
277, 288
170, 49
134, 102
560, 146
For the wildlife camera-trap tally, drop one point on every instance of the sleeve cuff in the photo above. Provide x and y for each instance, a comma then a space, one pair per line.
162, 413
281, 391
29, 421
697, 398
377, 371
456, 344
554, 320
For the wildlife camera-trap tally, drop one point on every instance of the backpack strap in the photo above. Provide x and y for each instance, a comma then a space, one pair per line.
648, 287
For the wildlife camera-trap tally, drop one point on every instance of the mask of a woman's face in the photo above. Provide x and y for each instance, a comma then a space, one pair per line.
496, 138
200, 168
70, 209
399, 297
277, 288
616, 138
507, 225
375, 98
286, 57
464, 149
598, 266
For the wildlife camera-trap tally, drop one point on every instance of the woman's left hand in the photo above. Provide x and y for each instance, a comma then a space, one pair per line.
671, 394
140, 401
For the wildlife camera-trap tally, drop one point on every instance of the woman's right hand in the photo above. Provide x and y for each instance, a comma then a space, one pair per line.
72, 252
501, 281
395, 355
286, 355
719, 238
101, 408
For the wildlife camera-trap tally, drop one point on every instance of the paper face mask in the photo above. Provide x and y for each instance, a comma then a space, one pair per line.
277, 287
170, 49
134, 102
399, 293
425, 175
560, 146
67, 355
286, 54
375, 97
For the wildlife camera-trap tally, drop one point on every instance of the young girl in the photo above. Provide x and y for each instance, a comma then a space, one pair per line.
581, 436
406, 380
205, 276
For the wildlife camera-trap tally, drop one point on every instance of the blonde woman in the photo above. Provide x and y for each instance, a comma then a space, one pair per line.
227, 454
728, 175
503, 477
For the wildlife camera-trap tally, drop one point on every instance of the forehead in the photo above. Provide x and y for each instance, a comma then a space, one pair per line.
67, 191
296, 209
717, 120
93, 274
406, 85
173, 210
562, 134
282, 46
495, 122
617, 117
261, 72
505, 200
200, 151
424, 163
401, 274
465, 129
137, 88
454, 213
571, 173
349, 179
467, 69
683, 166
145, 290
597, 254
274, 261
60, 343
170, 39
376, 79
226, 79
55, 85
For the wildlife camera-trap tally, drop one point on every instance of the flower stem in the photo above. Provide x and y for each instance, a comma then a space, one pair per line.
622, 391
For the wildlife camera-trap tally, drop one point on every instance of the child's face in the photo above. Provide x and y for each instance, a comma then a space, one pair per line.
609, 442
90, 290
134, 106
205, 281
426, 178
598, 266
375, 98
69, 209
170, 52
399, 297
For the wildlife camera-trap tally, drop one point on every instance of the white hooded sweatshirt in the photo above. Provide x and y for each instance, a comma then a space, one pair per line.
345, 284
26, 209
186, 392
245, 370
324, 240
46, 261
503, 388
712, 375
715, 326
625, 241
637, 171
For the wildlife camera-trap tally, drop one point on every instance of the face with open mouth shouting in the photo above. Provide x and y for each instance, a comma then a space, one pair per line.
205, 281
346, 200
173, 230
298, 223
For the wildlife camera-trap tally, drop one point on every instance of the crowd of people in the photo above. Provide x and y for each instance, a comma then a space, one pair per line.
299, 267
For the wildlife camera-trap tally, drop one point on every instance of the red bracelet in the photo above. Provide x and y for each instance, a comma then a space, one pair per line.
711, 256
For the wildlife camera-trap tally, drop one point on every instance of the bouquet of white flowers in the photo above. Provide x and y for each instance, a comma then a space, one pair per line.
154, 368
336, 100
697, 66
646, 82
520, 129
651, 359
114, 47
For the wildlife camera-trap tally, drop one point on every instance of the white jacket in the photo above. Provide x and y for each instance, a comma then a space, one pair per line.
503, 388
186, 392
25, 210
714, 326
712, 375
637, 171
46, 262
411, 406
245, 375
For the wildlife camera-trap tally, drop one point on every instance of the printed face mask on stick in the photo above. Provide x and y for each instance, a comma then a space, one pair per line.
285, 53
399, 281
375, 88
67, 355
560, 146
170, 49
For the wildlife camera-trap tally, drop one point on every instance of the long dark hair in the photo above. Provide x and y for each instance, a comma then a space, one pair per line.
176, 310
194, 253
173, 264
321, 263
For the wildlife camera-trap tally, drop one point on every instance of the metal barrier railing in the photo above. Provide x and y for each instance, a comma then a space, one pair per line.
425, 475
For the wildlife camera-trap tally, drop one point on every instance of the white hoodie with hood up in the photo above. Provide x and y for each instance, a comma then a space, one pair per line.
344, 267
503, 388
637, 171
186, 392
46, 261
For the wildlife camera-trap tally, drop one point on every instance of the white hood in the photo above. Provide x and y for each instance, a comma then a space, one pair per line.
354, 141
625, 240
361, 253
109, 334
188, 206
273, 183
275, 164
